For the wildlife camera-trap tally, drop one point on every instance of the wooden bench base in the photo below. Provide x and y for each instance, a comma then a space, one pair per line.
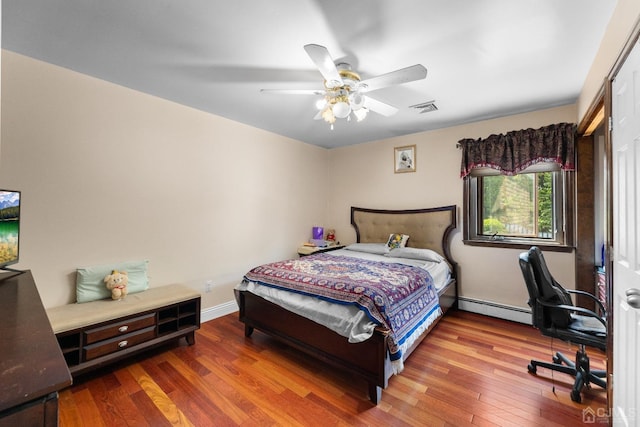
96, 333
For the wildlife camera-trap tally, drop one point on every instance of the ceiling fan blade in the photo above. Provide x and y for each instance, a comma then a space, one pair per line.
404, 75
294, 91
320, 56
379, 106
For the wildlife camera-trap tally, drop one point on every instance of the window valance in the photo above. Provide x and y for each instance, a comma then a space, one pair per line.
514, 151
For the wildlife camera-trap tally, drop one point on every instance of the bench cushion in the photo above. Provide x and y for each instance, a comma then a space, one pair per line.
74, 316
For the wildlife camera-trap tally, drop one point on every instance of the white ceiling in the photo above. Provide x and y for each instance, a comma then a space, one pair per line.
485, 58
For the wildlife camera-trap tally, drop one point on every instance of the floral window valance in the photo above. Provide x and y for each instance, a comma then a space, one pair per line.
515, 151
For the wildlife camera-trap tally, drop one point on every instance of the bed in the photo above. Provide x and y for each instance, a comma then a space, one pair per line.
371, 359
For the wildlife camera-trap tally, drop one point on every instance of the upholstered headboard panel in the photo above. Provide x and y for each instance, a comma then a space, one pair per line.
427, 228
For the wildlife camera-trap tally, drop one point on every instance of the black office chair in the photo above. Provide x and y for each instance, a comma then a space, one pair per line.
555, 315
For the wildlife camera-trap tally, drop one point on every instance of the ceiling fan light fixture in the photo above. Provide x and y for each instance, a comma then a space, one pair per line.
356, 100
321, 104
341, 109
332, 84
360, 113
328, 116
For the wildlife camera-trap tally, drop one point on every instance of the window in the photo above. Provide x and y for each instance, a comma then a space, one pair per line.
519, 188
530, 208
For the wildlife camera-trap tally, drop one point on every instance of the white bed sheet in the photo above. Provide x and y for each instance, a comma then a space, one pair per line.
346, 320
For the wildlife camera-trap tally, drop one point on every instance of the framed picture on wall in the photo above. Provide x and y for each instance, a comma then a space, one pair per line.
404, 159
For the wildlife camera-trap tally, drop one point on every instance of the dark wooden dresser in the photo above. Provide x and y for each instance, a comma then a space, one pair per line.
32, 368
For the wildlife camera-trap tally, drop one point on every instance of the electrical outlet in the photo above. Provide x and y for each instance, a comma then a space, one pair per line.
207, 285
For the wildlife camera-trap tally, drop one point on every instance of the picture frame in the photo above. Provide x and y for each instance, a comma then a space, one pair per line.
404, 159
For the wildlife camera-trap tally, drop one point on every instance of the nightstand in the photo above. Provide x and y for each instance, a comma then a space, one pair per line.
308, 250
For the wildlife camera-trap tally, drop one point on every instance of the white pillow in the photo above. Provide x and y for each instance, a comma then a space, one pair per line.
397, 240
415, 253
371, 248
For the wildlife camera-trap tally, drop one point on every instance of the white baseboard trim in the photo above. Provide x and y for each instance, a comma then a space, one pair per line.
218, 311
502, 311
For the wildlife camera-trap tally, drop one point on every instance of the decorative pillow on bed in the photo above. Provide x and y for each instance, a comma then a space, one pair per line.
90, 280
415, 253
397, 240
371, 248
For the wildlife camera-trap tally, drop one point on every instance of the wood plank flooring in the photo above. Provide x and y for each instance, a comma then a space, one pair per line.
470, 371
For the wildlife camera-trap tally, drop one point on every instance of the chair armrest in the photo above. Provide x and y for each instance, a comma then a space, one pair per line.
587, 294
573, 308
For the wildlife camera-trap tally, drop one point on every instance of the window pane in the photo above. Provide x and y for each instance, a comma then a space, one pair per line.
545, 205
518, 206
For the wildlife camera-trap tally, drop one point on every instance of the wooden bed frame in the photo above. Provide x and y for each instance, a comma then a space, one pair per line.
369, 360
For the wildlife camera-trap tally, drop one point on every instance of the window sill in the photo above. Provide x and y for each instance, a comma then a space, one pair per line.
518, 245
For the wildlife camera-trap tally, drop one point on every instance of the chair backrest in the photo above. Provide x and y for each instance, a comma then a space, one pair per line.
542, 286
537, 318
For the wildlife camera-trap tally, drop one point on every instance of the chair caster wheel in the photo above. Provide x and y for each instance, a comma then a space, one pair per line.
532, 369
575, 396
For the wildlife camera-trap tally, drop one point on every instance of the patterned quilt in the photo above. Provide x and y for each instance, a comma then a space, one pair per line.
396, 296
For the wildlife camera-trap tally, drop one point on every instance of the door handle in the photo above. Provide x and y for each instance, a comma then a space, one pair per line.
633, 298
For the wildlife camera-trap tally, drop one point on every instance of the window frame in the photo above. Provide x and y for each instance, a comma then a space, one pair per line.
564, 219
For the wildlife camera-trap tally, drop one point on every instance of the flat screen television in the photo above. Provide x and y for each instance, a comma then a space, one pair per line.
9, 228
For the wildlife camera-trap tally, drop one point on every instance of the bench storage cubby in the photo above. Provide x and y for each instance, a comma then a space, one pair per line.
95, 333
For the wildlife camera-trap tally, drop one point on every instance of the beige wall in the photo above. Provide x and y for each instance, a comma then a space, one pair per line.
625, 16
109, 174
362, 175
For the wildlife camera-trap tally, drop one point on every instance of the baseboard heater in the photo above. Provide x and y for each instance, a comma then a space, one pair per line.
501, 311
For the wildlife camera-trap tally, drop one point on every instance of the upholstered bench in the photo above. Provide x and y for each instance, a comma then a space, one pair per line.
95, 333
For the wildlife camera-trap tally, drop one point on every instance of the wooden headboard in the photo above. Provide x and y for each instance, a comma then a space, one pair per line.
427, 228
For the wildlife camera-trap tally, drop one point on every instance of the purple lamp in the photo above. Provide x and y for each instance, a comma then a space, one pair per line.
318, 233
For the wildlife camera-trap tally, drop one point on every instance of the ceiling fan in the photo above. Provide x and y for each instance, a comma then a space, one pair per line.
344, 92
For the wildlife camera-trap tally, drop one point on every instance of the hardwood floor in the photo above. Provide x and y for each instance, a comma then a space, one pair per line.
471, 370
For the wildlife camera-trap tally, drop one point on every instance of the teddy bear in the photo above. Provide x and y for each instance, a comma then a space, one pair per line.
331, 235
117, 282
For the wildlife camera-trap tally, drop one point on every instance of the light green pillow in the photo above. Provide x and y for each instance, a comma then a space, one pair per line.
90, 280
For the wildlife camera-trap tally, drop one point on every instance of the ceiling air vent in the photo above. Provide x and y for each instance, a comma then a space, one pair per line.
425, 107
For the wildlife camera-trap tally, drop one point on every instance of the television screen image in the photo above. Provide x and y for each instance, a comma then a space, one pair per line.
9, 227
